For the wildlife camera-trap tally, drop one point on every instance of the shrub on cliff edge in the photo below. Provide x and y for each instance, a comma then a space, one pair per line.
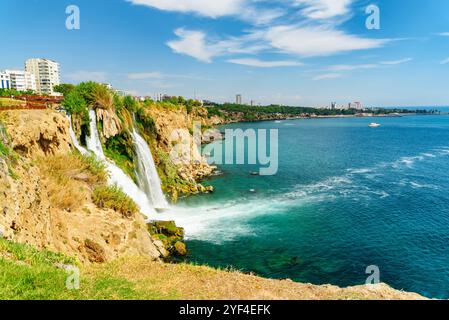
113, 197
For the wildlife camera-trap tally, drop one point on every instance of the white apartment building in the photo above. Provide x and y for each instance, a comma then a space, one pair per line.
46, 72
22, 80
5, 81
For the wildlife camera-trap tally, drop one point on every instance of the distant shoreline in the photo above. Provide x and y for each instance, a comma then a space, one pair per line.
332, 117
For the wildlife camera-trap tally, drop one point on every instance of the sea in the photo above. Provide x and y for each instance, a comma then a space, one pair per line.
347, 199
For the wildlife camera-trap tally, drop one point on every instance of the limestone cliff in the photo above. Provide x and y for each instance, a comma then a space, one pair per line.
174, 134
37, 133
28, 215
110, 122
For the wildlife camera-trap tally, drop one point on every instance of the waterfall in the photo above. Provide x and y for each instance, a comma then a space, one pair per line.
93, 141
147, 174
116, 175
75, 140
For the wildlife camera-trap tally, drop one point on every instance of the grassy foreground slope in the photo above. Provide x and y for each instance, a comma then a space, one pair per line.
26, 273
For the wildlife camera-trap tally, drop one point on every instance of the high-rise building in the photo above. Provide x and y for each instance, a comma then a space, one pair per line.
356, 105
238, 99
46, 72
5, 81
21, 80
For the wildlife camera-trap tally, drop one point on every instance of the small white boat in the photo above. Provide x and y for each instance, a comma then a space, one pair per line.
374, 125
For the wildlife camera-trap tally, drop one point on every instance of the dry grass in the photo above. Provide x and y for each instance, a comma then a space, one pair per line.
184, 281
70, 179
11, 102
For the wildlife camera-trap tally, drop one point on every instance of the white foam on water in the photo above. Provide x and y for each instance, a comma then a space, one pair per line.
360, 171
429, 155
224, 221
417, 185
407, 162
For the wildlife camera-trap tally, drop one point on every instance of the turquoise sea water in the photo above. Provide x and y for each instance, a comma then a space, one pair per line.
346, 197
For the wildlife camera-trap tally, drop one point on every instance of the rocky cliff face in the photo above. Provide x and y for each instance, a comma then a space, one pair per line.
37, 133
174, 129
27, 215
111, 123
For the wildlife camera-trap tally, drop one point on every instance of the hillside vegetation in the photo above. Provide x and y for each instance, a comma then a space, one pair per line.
236, 112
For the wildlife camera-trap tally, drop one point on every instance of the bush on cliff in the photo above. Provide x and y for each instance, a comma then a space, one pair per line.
120, 149
76, 105
64, 88
113, 197
102, 97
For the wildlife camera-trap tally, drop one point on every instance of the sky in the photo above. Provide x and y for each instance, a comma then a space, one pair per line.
292, 52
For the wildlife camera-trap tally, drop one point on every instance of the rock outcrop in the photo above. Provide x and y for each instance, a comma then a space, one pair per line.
37, 132
111, 123
176, 135
169, 236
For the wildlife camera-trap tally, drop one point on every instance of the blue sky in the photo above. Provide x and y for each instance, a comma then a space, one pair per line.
297, 52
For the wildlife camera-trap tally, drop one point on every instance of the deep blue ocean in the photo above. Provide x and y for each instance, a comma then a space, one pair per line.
345, 197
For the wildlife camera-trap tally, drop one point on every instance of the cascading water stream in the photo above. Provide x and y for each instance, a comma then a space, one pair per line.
147, 173
116, 175
75, 140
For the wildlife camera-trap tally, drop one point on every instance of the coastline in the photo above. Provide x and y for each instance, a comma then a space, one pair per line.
92, 249
283, 118
218, 190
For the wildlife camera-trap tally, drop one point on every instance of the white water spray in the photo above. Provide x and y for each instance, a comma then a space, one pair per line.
147, 173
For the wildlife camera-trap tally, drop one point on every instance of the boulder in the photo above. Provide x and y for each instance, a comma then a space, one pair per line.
180, 248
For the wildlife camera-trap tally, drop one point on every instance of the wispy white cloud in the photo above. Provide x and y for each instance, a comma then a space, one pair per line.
265, 64
443, 34
317, 41
445, 61
313, 36
327, 76
243, 9
206, 8
251, 9
292, 40
324, 9
195, 44
350, 67
396, 62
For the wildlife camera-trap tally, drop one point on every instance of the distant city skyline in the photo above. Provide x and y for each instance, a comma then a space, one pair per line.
294, 52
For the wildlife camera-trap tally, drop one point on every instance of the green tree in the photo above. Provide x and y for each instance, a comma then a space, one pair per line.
74, 103
130, 103
102, 97
64, 88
